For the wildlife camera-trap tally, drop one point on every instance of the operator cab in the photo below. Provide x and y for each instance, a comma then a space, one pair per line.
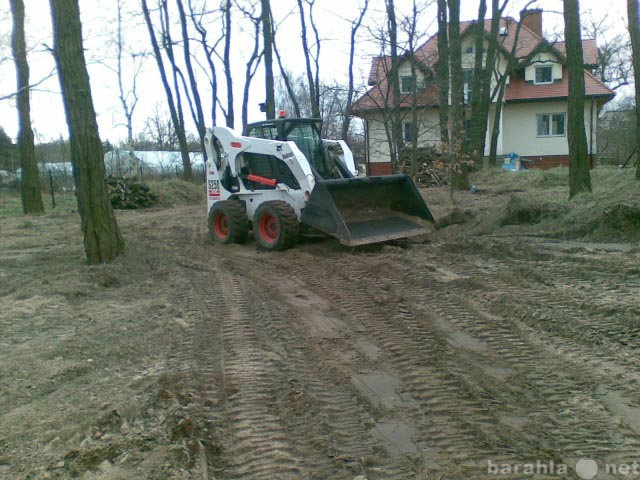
306, 134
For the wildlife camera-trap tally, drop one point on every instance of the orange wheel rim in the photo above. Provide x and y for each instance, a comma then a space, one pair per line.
269, 229
221, 225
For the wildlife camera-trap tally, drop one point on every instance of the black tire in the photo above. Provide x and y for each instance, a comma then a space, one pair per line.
228, 222
276, 226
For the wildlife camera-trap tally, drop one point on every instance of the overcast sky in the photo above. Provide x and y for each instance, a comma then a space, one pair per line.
332, 17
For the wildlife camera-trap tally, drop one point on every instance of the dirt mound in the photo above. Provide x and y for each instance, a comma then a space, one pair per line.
620, 221
174, 193
521, 211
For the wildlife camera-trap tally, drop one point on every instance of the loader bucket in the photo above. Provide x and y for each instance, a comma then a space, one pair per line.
358, 211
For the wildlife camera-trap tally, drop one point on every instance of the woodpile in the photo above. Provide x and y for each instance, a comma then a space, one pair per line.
431, 166
129, 194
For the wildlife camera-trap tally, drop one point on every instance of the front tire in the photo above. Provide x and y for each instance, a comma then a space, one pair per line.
276, 226
228, 222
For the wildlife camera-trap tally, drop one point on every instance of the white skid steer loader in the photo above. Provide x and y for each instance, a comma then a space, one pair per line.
280, 178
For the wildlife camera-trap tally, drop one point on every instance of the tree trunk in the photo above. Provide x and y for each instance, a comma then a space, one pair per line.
442, 70
346, 121
396, 114
250, 70
482, 93
313, 94
477, 93
267, 35
458, 135
197, 102
30, 182
102, 239
229, 111
579, 175
175, 112
634, 30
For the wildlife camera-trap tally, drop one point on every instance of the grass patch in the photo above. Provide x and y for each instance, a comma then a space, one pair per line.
529, 211
11, 204
525, 179
173, 193
610, 213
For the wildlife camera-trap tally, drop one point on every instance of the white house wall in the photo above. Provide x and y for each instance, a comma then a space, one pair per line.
520, 129
428, 133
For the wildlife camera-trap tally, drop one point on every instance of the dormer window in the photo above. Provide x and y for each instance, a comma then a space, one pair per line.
544, 74
407, 84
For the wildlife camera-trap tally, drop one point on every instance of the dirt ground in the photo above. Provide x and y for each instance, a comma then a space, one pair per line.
416, 360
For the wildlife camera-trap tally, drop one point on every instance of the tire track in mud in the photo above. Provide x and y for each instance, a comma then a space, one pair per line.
578, 420
568, 418
452, 418
311, 426
238, 374
602, 304
329, 427
529, 294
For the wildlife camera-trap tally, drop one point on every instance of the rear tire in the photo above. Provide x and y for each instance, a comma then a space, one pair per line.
228, 222
276, 226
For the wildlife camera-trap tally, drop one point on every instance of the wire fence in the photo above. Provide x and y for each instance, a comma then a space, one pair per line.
59, 183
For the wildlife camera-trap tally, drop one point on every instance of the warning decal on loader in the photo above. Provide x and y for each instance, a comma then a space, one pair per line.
213, 188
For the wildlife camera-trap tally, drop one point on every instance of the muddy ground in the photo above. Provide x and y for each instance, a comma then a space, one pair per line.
414, 360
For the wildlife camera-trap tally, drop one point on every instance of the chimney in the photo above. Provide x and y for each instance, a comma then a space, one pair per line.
532, 19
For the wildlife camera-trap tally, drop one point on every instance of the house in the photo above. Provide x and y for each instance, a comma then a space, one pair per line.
533, 122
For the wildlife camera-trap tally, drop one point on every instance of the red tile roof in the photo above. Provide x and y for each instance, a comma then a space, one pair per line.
519, 90
589, 50
528, 43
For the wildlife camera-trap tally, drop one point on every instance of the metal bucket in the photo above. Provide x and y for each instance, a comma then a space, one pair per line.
359, 211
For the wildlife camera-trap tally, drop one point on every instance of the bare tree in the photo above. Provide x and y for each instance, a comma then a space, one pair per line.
286, 79
312, 77
355, 25
102, 239
459, 168
614, 50
579, 175
499, 91
634, 30
394, 82
481, 92
174, 108
267, 35
195, 103
442, 70
160, 131
199, 18
30, 183
128, 96
254, 61
226, 61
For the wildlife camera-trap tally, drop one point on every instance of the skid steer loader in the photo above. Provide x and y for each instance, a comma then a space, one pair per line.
281, 177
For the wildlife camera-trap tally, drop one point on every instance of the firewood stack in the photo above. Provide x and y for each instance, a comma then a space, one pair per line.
431, 171
129, 194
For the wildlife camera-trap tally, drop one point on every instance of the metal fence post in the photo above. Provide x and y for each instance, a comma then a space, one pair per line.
53, 198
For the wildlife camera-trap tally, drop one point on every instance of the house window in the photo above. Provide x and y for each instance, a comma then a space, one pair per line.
544, 74
551, 124
407, 84
467, 76
409, 132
